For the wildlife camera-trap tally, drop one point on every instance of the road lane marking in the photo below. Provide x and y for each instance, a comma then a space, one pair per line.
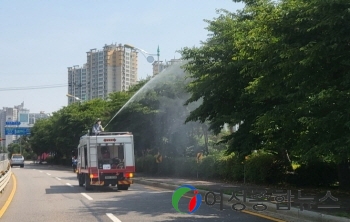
48, 174
113, 218
8, 201
58, 178
87, 196
69, 184
152, 188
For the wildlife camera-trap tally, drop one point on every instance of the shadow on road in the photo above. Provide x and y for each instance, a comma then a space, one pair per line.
158, 206
61, 189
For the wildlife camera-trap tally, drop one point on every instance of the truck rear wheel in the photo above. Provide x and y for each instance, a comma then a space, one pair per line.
87, 182
80, 179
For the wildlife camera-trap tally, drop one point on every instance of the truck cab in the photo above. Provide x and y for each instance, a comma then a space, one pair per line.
106, 159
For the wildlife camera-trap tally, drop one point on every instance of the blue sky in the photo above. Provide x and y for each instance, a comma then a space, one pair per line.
40, 39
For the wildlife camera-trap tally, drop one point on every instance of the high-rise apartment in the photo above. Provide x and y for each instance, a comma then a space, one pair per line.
20, 114
7, 114
112, 69
77, 82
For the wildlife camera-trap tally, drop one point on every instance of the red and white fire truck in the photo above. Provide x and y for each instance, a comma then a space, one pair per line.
106, 159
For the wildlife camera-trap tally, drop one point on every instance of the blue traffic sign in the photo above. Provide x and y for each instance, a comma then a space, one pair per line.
17, 131
11, 123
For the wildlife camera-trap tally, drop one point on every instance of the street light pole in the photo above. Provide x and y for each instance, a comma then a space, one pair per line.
150, 58
75, 98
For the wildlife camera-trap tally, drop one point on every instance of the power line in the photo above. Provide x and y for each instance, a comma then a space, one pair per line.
33, 87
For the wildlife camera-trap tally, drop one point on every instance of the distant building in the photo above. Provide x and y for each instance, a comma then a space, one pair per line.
77, 82
7, 114
159, 67
112, 69
14, 114
29, 119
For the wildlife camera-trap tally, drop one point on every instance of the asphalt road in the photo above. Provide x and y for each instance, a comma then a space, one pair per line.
47, 193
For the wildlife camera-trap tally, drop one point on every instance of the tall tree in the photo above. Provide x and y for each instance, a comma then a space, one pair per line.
291, 58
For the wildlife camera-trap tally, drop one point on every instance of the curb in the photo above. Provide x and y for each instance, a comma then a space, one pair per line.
10, 197
292, 215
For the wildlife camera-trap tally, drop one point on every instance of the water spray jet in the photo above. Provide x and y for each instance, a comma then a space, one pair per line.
149, 84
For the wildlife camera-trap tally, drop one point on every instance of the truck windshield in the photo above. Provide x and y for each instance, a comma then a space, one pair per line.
110, 156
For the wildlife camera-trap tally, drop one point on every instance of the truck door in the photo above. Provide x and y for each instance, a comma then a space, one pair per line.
85, 157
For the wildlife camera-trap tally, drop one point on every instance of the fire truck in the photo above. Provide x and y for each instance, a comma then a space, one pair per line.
106, 159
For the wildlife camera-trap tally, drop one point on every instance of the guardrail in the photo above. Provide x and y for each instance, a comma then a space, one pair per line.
5, 171
4, 162
3, 156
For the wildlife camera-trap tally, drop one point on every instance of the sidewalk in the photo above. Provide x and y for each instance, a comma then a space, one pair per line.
294, 214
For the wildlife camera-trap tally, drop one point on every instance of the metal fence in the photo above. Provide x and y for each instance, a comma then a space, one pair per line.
5, 171
4, 161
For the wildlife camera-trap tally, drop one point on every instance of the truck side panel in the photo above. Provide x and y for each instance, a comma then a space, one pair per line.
129, 155
93, 155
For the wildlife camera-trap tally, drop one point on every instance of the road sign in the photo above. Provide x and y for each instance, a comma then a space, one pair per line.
17, 131
12, 123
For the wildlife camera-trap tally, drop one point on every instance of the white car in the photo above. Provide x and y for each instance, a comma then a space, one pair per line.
17, 160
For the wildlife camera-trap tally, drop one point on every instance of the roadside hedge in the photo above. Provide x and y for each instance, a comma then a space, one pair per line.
258, 168
215, 166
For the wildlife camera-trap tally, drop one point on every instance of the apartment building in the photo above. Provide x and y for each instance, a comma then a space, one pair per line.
20, 114
111, 69
7, 114
77, 82
158, 67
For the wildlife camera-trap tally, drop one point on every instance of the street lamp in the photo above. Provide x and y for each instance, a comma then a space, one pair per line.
149, 58
75, 98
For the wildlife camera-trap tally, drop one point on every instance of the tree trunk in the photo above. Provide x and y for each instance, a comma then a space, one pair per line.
283, 154
205, 133
344, 174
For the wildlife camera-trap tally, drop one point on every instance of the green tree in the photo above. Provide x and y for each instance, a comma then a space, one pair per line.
60, 133
282, 68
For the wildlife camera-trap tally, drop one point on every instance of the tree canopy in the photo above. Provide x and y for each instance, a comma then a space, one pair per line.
281, 70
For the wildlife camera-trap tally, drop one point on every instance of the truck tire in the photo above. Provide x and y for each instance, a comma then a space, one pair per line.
87, 182
123, 187
80, 180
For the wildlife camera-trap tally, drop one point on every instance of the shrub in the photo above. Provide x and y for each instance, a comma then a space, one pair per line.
229, 168
316, 173
148, 164
264, 168
166, 167
185, 167
207, 168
